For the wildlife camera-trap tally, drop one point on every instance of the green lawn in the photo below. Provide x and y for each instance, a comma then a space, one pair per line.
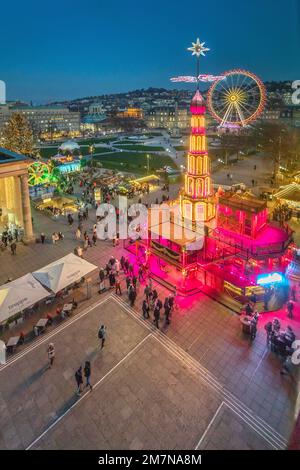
129, 142
134, 162
96, 140
145, 148
153, 134
181, 147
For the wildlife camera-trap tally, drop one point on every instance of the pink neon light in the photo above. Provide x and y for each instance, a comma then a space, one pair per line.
198, 131
198, 109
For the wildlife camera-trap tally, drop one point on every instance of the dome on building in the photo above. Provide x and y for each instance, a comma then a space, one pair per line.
69, 146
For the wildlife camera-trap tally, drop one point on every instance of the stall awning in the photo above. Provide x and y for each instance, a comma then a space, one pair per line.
63, 272
20, 294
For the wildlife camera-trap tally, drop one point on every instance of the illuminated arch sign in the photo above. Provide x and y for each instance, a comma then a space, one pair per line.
272, 278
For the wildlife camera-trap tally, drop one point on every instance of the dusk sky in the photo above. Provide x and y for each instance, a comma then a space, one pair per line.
68, 49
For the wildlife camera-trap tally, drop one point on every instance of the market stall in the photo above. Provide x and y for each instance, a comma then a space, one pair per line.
56, 205
18, 295
64, 272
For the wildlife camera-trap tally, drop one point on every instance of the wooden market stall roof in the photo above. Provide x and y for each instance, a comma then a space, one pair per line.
290, 192
245, 202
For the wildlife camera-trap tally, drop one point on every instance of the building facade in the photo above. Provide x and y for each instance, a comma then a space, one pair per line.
168, 117
15, 211
45, 121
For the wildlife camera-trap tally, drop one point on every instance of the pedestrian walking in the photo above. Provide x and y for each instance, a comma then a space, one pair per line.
147, 292
126, 266
51, 354
13, 248
112, 280
131, 269
141, 273
167, 310
134, 281
156, 314
128, 282
118, 287
43, 237
87, 374
145, 309
79, 380
293, 293
290, 308
94, 238
122, 262
117, 267
102, 335
132, 295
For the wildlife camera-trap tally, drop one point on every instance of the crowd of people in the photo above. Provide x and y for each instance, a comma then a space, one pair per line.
282, 213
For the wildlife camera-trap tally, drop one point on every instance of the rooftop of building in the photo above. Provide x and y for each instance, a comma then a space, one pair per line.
6, 156
245, 201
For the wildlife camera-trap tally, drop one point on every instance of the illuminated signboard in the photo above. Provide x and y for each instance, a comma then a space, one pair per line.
264, 279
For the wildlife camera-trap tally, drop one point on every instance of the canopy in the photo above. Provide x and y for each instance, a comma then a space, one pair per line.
291, 193
63, 272
20, 294
70, 145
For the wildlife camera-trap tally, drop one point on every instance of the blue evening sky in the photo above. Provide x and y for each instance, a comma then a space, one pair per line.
66, 49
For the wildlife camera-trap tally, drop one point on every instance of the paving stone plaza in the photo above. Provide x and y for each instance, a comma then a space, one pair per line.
196, 384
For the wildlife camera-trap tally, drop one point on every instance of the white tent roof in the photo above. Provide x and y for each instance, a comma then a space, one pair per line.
69, 145
17, 295
63, 272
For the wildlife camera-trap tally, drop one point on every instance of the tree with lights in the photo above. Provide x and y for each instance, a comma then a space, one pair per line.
18, 136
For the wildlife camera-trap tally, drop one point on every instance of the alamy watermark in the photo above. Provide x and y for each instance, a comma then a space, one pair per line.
138, 222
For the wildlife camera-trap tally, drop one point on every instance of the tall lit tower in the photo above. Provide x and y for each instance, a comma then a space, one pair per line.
196, 200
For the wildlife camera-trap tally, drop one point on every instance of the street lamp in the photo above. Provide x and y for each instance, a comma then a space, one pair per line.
92, 149
148, 157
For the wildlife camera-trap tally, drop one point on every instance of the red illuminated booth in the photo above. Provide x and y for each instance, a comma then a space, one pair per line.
245, 251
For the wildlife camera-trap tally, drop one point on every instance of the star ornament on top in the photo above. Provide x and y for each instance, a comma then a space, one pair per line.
198, 48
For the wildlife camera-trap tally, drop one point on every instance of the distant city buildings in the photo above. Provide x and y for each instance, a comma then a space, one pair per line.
168, 117
46, 121
155, 107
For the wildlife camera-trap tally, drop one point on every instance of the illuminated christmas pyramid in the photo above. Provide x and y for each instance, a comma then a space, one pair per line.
196, 201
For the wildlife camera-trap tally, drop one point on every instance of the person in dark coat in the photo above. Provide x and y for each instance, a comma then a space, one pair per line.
87, 374
128, 282
145, 309
112, 279
122, 262
167, 310
132, 295
134, 281
79, 381
156, 314
126, 266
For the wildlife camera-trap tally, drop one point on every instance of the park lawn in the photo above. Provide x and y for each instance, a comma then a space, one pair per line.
181, 147
96, 140
153, 134
129, 142
98, 150
134, 162
50, 152
141, 148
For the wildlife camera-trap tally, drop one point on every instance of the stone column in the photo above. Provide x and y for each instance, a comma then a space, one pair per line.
26, 208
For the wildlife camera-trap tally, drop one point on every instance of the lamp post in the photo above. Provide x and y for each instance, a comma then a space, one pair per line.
148, 157
92, 149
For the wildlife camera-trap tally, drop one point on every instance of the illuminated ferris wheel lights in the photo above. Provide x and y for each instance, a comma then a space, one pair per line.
239, 100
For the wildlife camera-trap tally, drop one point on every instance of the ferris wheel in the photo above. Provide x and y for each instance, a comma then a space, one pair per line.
38, 173
238, 99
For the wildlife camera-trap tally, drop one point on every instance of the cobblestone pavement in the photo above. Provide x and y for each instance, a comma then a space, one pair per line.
200, 373
148, 393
